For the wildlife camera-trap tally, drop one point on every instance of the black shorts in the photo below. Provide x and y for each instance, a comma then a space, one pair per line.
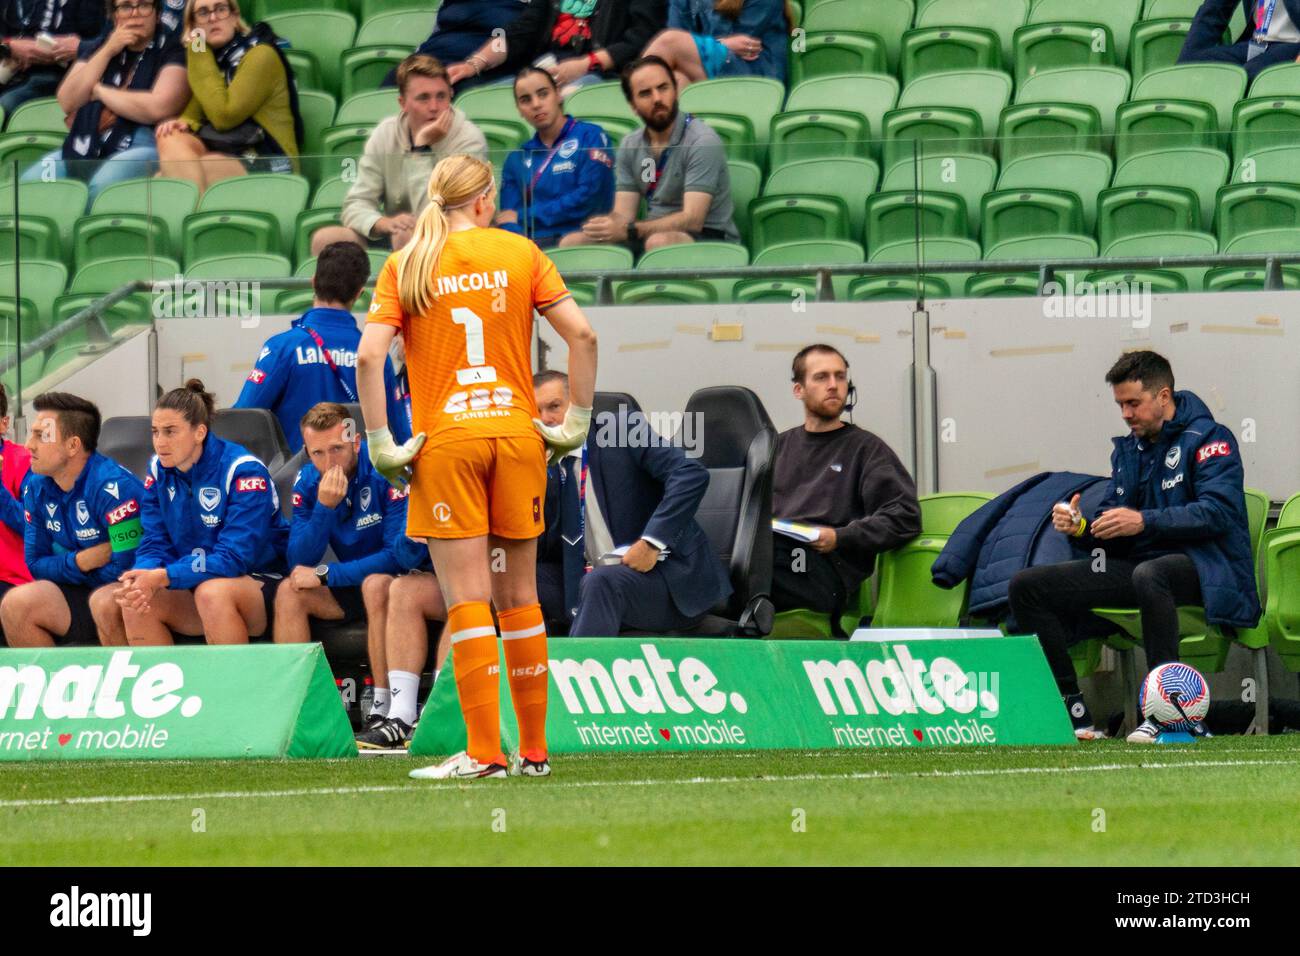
704, 235
349, 598
82, 630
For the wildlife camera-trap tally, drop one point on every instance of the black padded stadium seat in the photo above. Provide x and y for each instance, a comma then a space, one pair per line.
284, 477
738, 442
257, 429
610, 402
128, 440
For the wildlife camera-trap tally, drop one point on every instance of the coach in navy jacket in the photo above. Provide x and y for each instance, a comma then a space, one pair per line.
1272, 34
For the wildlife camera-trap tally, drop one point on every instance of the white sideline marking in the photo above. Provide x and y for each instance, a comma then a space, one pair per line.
583, 784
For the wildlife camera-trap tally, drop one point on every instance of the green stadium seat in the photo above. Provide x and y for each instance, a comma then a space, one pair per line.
41, 282
253, 213
1265, 122
942, 49
969, 175
491, 102
1219, 84
1117, 16
1280, 80
736, 133
369, 9
306, 69
364, 67
1087, 174
61, 201
778, 219
818, 134
326, 34
342, 143
166, 200
503, 137
308, 221
986, 92
887, 19
996, 285
589, 259
814, 252
1043, 248
1143, 126
105, 275
796, 10
261, 9
19, 315
1156, 44
852, 179
317, 108
884, 288
837, 54
1044, 47
41, 115
1282, 601
932, 249
1003, 17
19, 381
305, 269
133, 311
896, 217
1159, 9
746, 178
1278, 164
371, 106
1031, 128
1103, 88
870, 96
755, 98
758, 291
1247, 279
1201, 170
1150, 244
1159, 281
405, 29
666, 292
599, 100
28, 237
248, 267
20, 150
1251, 207
1264, 240
1023, 213
930, 131
700, 255
108, 235
330, 193
1131, 210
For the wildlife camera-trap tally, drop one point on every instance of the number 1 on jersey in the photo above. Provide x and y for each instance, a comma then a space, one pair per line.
475, 349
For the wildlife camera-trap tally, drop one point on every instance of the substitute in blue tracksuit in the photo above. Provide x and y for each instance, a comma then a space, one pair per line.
1172, 528
82, 514
214, 535
562, 176
316, 360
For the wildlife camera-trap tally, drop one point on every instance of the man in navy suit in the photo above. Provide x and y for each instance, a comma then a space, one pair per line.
639, 493
1272, 34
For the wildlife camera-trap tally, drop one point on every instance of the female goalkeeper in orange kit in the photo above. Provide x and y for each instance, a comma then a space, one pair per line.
463, 295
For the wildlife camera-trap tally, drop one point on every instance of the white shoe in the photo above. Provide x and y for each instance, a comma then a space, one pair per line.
460, 767
1146, 733
521, 766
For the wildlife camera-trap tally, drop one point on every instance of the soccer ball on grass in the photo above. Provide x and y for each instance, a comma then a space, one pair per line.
1169, 683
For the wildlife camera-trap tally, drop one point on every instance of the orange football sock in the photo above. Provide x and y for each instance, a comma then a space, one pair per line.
478, 674
523, 635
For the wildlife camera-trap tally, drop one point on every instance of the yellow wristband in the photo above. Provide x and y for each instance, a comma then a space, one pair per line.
1083, 526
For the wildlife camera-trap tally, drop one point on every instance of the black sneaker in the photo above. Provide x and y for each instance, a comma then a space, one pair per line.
1081, 718
389, 734
372, 721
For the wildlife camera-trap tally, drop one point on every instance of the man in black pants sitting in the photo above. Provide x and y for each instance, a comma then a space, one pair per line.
1172, 530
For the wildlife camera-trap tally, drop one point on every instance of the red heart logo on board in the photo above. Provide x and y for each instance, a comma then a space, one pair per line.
63, 739
666, 734
917, 735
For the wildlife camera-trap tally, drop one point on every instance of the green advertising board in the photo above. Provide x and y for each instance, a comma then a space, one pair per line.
138, 703
644, 695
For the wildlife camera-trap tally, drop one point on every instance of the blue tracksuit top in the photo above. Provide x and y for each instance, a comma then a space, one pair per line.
365, 529
103, 507
576, 183
220, 519
291, 375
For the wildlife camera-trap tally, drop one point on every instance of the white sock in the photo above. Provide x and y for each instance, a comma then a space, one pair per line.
404, 688
380, 705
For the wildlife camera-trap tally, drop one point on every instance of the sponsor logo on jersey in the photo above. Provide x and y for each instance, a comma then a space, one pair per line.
122, 512
442, 512
111, 488
209, 498
1215, 449
54, 526
568, 148
395, 495
600, 156
1173, 458
83, 513
297, 499
310, 355
565, 167
51, 510
365, 500
87, 534
257, 376
27, 516
171, 492
148, 481
1170, 483
365, 521
250, 484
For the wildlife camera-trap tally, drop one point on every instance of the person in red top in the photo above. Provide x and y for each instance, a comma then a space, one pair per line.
15, 462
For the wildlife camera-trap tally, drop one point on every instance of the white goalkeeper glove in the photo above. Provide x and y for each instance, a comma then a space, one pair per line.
390, 459
570, 434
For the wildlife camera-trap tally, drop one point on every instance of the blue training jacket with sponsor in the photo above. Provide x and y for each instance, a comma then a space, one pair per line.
103, 506
220, 519
1192, 500
574, 180
292, 374
366, 529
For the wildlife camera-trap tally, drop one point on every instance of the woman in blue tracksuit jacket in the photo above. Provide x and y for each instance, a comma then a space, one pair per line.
214, 535
562, 176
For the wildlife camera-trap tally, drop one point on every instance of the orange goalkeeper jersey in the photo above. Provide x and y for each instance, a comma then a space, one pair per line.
469, 360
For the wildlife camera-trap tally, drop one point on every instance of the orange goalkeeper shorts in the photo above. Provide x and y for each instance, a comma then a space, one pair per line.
470, 488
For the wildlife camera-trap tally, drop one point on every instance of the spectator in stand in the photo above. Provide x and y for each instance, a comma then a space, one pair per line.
341, 502
707, 39
845, 482
15, 462
560, 177
586, 41
42, 37
316, 359
82, 529
243, 112
393, 174
461, 27
120, 86
1272, 34
214, 536
688, 191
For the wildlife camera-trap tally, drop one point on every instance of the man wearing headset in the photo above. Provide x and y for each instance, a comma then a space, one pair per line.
842, 480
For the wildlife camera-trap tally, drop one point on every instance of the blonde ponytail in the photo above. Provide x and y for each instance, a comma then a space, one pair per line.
455, 182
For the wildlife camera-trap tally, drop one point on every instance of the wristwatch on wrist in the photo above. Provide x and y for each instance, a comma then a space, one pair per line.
323, 575
631, 232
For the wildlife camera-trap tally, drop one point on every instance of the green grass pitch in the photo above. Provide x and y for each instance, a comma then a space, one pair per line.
1227, 801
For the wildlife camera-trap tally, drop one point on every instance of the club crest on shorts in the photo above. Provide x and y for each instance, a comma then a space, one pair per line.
209, 498
442, 512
